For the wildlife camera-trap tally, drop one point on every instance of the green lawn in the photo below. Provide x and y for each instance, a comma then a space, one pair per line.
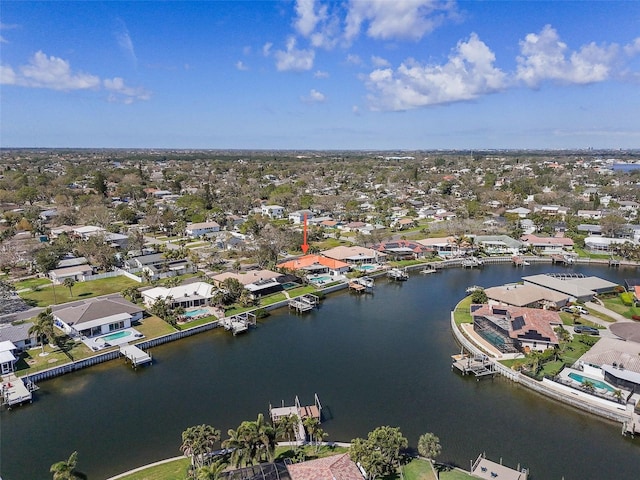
176, 470
615, 304
295, 292
271, 299
455, 475
461, 314
582, 253
31, 361
418, 469
32, 283
94, 288
152, 327
569, 319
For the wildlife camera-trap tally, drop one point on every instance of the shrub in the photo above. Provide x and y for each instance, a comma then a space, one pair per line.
261, 313
627, 298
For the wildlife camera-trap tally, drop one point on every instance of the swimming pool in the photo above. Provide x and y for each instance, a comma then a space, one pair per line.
366, 268
115, 336
320, 279
289, 285
195, 313
596, 383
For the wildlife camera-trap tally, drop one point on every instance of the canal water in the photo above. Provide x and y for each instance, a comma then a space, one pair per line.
381, 359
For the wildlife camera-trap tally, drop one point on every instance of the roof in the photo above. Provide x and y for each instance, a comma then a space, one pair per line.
523, 295
522, 321
569, 286
68, 271
252, 276
608, 351
201, 225
309, 260
335, 467
200, 289
94, 309
351, 253
535, 240
7, 346
505, 239
15, 333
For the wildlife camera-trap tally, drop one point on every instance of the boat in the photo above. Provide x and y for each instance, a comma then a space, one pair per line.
397, 274
473, 288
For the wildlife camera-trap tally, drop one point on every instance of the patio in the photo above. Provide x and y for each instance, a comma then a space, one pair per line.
113, 339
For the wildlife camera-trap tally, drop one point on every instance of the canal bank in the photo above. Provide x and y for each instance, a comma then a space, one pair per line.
380, 359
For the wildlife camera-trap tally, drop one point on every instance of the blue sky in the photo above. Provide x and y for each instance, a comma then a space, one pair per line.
379, 74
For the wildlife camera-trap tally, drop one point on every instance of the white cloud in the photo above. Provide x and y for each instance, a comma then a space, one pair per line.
122, 93
124, 41
353, 59
241, 66
49, 72
544, 57
468, 74
293, 58
379, 62
314, 97
321, 74
387, 19
54, 73
6, 26
632, 49
307, 17
266, 49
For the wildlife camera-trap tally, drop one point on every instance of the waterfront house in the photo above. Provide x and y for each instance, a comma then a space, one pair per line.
444, 247
498, 244
195, 230
7, 357
18, 334
258, 282
403, 250
548, 245
355, 255
530, 296
195, 294
581, 289
516, 329
96, 316
616, 360
316, 264
334, 467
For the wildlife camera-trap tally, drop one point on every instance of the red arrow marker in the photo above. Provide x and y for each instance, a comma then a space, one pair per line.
305, 245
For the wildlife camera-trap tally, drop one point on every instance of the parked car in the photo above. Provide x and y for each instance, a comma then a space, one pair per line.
586, 329
582, 310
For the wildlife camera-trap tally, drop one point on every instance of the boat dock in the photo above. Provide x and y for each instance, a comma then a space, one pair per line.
239, 323
483, 468
471, 262
302, 412
304, 303
478, 365
362, 284
135, 355
562, 259
519, 261
632, 427
16, 391
398, 274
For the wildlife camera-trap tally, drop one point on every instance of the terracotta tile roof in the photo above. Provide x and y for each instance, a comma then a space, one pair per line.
308, 260
336, 467
534, 320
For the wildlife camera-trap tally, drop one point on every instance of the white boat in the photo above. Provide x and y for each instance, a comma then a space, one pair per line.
473, 288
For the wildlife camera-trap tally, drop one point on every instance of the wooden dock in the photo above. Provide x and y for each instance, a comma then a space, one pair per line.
362, 284
135, 355
301, 411
304, 303
356, 287
471, 262
519, 261
484, 468
16, 391
479, 365
239, 323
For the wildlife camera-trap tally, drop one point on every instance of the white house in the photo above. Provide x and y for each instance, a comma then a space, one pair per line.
90, 318
203, 228
272, 211
192, 295
7, 358
297, 217
77, 273
520, 211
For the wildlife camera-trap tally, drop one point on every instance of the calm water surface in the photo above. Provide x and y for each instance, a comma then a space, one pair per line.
381, 359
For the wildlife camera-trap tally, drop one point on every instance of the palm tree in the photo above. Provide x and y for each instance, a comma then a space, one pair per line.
213, 471
69, 283
43, 328
66, 469
287, 426
251, 442
429, 446
316, 433
198, 443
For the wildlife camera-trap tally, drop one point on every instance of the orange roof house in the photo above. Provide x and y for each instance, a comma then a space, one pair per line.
312, 262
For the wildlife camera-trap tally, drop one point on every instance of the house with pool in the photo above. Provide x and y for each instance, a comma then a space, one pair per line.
516, 329
356, 256
96, 317
318, 269
197, 294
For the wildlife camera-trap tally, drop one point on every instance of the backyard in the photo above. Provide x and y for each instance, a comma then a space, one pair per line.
44, 296
616, 304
